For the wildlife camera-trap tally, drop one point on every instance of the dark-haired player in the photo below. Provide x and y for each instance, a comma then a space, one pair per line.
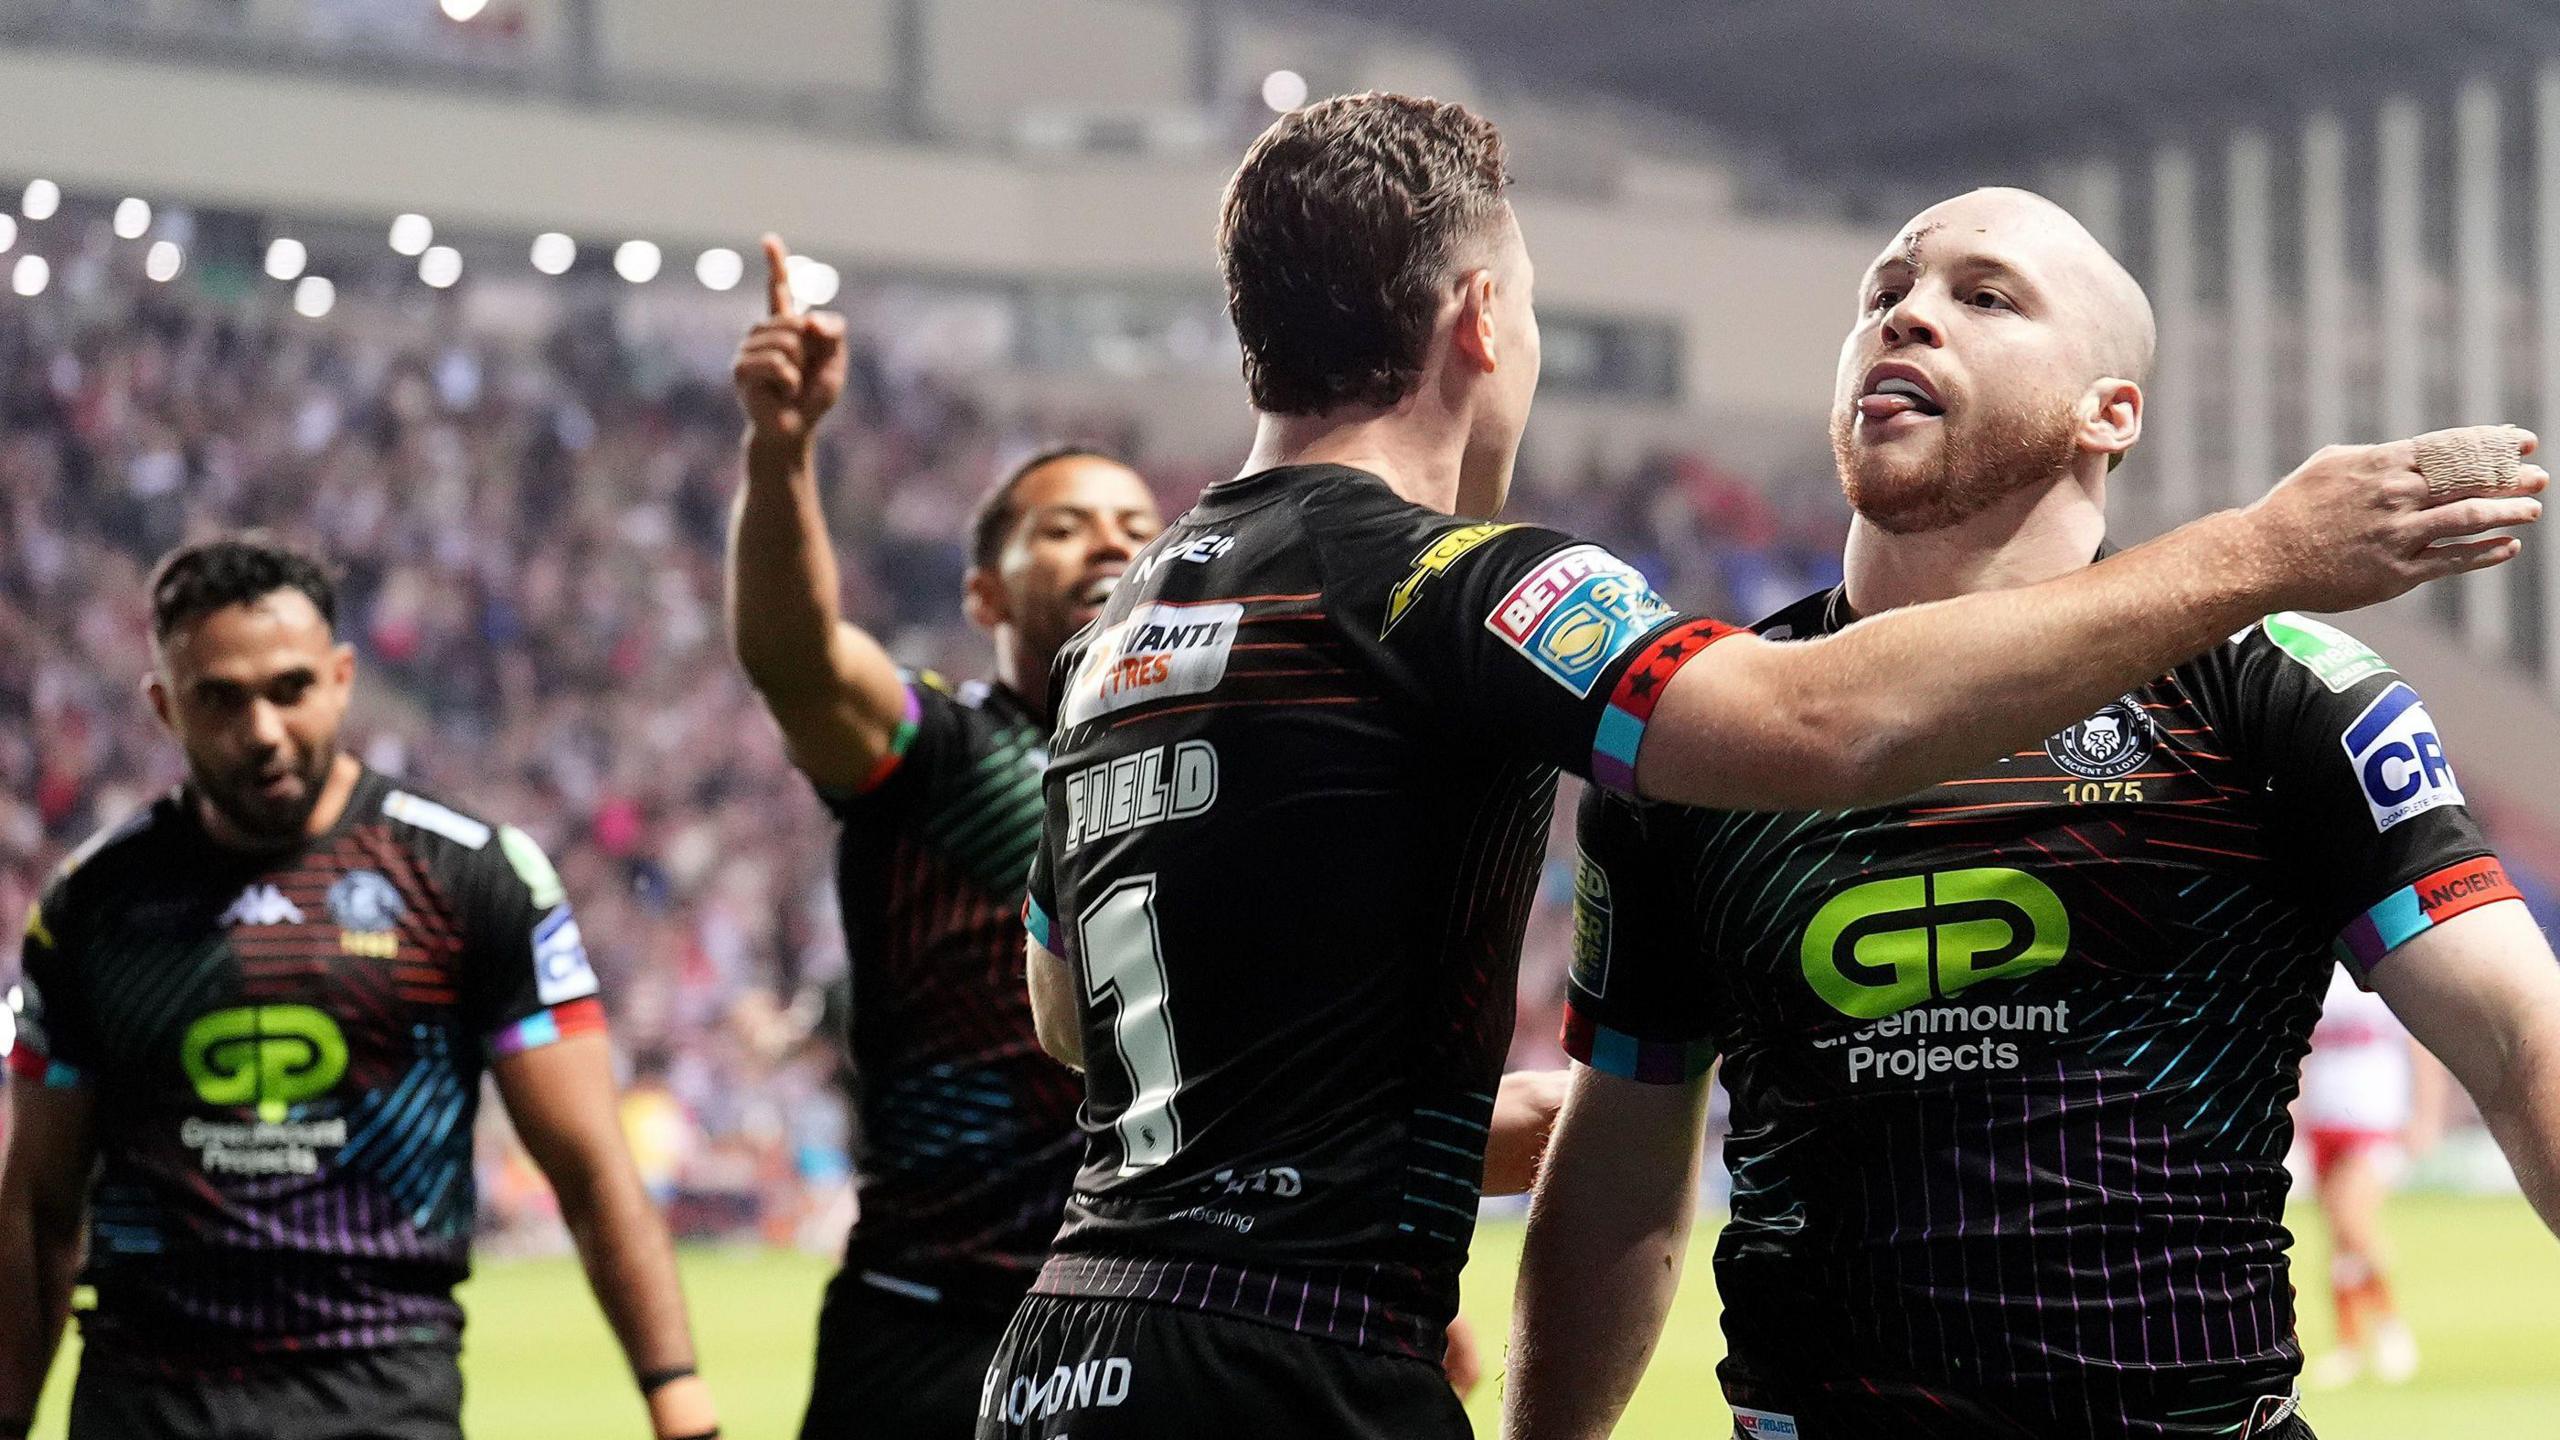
967, 1132
969, 1138
2010, 1059
258, 1013
1305, 759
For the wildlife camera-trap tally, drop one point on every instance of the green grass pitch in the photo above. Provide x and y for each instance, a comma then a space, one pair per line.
2479, 1278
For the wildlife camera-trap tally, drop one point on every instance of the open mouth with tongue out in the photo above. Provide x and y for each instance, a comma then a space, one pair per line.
1894, 391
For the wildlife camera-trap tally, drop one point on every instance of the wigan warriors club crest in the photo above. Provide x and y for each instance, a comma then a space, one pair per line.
2113, 742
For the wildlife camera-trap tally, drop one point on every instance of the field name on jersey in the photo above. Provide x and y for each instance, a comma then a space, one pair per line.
1087, 1384
1157, 651
2399, 761
1161, 782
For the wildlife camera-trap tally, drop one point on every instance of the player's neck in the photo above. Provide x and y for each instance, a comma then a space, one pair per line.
1015, 664
335, 793
2034, 536
1419, 459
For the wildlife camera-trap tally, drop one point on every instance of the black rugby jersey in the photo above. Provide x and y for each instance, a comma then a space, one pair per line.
967, 1139
2010, 1060
1304, 767
286, 1051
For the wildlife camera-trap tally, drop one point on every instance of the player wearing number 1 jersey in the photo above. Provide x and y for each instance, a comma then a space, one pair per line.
1302, 774
2009, 1058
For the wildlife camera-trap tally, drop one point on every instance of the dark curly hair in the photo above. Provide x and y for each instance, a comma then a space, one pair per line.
999, 509
1337, 236
193, 581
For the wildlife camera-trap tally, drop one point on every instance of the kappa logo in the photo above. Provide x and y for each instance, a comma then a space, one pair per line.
1435, 560
2398, 760
1573, 615
2113, 742
261, 905
1160, 650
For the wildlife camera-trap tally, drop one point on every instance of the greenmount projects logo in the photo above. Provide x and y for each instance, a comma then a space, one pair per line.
272, 1057
1903, 953
1883, 947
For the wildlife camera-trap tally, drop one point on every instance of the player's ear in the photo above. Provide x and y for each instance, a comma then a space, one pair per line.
2110, 417
342, 665
983, 600
158, 694
1477, 338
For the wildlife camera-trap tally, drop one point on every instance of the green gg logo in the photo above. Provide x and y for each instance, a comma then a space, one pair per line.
270, 1056
1888, 945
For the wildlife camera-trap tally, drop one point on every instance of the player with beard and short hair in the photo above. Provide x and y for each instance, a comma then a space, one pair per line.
260, 1011
2009, 1058
1305, 759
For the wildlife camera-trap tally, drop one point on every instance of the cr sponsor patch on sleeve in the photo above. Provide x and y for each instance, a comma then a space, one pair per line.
561, 971
1577, 612
2399, 761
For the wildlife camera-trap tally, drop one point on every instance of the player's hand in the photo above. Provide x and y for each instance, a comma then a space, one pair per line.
1464, 1359
682, 1408
1524, 1120
2358, 524
791, 366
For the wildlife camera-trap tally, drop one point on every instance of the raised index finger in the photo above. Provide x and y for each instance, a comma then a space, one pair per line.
777, 277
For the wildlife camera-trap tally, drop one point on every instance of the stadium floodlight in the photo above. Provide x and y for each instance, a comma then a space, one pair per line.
554, 253
461, 11
411, 234
637, 261
43, 197
440, 266
313, 297
1284, 90
163, 261
133, 218
813, 282
30, 275
8, 233
285, 258
720, 268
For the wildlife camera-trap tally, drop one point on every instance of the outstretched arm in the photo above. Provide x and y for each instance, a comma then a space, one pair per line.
561, 1097
1607, 1232
44, 1206
832, 689
1900, 701
2482, 991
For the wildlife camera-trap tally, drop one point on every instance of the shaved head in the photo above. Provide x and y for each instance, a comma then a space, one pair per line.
1999, 350
2109, 304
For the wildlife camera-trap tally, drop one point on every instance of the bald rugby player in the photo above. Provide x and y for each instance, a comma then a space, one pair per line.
2010, 1058
1289, 984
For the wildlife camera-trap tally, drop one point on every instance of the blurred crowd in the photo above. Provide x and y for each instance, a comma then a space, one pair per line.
528, 535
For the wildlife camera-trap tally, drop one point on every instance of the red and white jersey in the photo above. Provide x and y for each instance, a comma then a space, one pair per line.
2357, 1075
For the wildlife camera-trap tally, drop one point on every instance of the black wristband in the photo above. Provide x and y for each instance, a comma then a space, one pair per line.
653, 1381
711, 1434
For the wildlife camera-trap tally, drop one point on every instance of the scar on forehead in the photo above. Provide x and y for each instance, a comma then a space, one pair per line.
1911, 240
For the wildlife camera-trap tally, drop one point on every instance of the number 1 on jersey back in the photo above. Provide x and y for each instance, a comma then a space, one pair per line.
1124, 964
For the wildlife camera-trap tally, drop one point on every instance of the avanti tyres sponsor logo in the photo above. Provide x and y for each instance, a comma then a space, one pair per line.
1159, 650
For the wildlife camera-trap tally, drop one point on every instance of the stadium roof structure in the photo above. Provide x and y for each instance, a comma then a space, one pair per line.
1925, 91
